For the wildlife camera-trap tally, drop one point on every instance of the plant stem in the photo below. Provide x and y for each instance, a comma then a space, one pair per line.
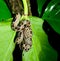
25, 16
25, 7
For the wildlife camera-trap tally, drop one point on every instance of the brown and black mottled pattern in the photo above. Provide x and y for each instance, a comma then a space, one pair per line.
16, 6
24, 37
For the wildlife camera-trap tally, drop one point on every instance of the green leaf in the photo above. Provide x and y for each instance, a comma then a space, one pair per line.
40, 4
40, 50
52, 15
6, 41
4, 11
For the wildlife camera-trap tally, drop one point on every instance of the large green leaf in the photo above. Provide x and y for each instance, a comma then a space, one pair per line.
4, 11
51, 12
52, 15
40, 50
6, 41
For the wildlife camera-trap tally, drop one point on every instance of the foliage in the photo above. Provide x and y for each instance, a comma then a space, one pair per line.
51, 13
6, 41
40, 50
4, 11
40, 47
